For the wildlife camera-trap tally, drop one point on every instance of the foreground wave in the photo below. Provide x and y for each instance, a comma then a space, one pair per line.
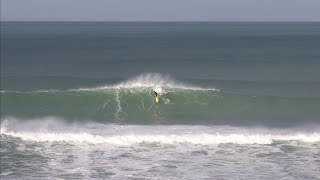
51, 129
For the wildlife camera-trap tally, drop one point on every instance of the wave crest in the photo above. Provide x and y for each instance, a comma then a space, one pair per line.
52, 129
155, 81
130, 139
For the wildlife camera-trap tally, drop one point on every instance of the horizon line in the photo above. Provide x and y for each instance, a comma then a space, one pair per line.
192, 21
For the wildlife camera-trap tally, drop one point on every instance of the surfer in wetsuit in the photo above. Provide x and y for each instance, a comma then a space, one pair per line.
157, 96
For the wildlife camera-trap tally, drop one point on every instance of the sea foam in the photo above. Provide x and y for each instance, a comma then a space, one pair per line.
52, 129
130, 139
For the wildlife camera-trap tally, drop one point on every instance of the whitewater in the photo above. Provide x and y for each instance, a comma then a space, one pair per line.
53, 129
80, 150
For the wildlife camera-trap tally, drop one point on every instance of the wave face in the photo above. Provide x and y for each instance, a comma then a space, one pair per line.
132, 102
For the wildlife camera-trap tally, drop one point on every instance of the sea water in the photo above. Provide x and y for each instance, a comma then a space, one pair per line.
237, 100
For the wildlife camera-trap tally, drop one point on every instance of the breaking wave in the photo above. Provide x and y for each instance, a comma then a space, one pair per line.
52, 129
132, 102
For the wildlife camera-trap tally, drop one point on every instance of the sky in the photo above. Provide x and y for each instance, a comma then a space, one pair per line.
160, 10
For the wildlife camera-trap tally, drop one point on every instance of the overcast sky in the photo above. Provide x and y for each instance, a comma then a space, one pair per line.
160, 10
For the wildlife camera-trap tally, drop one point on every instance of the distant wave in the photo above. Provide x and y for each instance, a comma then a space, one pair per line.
155, 81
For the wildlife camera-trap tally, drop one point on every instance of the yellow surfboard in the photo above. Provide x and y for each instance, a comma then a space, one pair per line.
157, 99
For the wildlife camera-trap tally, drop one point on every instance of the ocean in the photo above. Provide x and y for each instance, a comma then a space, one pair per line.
238, 100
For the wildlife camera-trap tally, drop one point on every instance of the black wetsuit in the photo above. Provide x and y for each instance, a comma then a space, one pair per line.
155, 93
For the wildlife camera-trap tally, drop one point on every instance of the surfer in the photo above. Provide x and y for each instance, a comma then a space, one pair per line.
157, 96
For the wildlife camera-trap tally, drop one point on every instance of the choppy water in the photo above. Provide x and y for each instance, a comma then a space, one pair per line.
237, 100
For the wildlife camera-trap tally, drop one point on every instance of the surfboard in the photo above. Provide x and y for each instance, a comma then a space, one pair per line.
157, 99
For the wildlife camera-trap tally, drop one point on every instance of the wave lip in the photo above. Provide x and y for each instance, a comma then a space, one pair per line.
149, 80
154, 81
